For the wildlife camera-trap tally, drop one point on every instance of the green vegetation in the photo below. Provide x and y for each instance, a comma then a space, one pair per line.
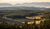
25, 26
46, 24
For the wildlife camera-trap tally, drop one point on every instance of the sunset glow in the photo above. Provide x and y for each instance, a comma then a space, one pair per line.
22, 1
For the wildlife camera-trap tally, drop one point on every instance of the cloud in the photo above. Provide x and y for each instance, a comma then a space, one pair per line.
22, 1
15, 1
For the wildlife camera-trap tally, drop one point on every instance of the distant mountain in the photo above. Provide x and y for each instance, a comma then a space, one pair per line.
48, 9
36, 4
19, 10
5, 5
33, 4
22, 8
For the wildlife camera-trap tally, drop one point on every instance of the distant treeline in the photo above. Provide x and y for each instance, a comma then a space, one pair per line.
22, 17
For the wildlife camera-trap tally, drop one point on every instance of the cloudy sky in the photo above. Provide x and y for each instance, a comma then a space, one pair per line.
22, 1
13, 2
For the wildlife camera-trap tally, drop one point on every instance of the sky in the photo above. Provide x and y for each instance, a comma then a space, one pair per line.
22, 1
13, 2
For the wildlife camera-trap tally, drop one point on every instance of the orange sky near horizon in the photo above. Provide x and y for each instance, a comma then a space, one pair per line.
22, 1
